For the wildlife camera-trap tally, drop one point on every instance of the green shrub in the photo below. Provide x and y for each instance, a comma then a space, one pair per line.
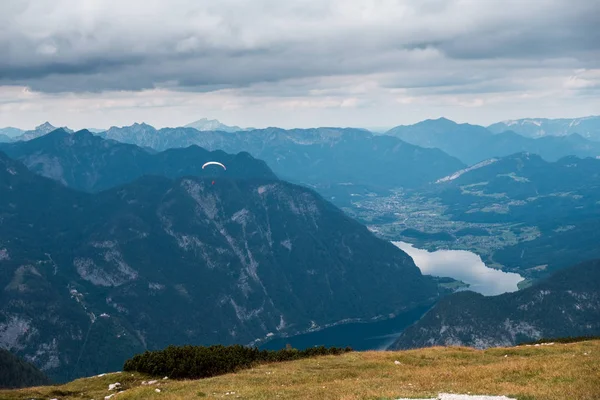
192, 362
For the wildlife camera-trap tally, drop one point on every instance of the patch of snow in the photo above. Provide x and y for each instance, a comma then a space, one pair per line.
463, 171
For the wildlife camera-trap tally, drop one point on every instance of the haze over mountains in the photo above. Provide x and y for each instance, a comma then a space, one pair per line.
472, 143
588, 127
314, 156
87, 162
109, 237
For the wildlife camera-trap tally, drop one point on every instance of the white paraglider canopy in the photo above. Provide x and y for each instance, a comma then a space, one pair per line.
214, 163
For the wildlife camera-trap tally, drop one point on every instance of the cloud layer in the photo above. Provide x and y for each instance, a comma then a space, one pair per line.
356, 53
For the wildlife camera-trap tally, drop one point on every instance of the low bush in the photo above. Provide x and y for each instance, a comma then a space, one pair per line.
193, 362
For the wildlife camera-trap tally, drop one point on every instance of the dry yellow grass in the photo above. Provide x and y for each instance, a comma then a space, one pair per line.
560, 371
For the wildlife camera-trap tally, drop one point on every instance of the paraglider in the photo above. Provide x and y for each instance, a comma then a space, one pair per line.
214, 163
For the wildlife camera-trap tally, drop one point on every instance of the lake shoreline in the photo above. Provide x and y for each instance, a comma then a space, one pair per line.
465, 266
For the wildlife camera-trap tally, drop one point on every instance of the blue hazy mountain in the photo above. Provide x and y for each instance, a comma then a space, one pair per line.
321, 156
587, 127
473, 144
88, 162
206, 124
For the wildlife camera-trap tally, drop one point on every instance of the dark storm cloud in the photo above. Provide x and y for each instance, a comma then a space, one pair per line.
68, 45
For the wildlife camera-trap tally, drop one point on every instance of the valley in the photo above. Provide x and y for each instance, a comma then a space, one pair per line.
302, 199
423, 221
140, 239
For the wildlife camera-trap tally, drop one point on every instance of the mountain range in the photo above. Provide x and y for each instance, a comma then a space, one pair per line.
10, 132
39, 131
473, 144
588, 127
87, 162
322, 156
91, 279
565, 304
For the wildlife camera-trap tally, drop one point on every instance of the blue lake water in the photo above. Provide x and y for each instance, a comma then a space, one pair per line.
360, 336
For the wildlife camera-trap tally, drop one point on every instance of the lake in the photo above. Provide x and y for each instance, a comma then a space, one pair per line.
360, 336
464, 266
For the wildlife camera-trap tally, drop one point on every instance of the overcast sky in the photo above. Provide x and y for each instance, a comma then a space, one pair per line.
296, 63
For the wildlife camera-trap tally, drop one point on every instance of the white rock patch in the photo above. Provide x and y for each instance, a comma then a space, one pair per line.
447, 396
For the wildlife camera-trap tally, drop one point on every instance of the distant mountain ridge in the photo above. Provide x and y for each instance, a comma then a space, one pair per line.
11, 132
587, 127
84, 161
473, 144
39, 131
320, 156
206, 124
563, 305
90, 280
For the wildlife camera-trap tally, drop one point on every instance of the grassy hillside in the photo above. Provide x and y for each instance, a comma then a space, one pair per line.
559, 371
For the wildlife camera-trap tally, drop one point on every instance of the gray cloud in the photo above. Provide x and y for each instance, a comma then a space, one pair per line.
73, 46
296, 62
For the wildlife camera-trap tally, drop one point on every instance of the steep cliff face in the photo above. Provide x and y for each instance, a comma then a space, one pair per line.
88, 280
565, 304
